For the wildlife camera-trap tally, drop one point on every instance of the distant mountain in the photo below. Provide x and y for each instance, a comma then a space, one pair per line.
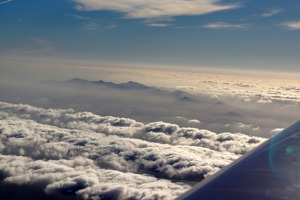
233, 114
178, 95
128, 85
188, 99
76, 80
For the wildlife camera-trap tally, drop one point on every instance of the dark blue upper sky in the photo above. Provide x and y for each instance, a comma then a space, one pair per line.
257, 34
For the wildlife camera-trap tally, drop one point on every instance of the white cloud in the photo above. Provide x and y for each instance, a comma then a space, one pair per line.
223, 25
160, 25
160, 132
82, 178
295, 25
155, 8
264, 101
3, 2
159, 22
39, 141
179, 117
194, 121
276, 130
272, 12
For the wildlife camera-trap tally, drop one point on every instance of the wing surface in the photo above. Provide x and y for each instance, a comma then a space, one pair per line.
270, 172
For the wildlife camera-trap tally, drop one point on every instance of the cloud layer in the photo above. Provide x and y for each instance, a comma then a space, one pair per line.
62, 152
155, 8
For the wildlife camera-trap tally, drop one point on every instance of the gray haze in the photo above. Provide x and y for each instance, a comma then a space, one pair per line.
147, 104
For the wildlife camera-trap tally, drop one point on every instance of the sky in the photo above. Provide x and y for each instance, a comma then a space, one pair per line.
246, 34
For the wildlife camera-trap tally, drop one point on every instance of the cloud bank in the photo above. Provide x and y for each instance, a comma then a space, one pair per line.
66, 153
155, 8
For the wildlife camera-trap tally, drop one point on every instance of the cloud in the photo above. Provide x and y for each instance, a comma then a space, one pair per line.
43, 44
3, 2
295, 25
157, 105
155, 8
272, 12
81, 178
36, 46
160, 25
112, 26
90, 26
79, 17
264, 101
159, 22
277, 130
62, 152
196, 121
244, 127
159, 132
223, 25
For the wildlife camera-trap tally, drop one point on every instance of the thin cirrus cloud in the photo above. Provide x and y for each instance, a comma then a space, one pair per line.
35, 46
155, 8
3, 2
86, 24
295, 25
43, 44
223, 25
90, 26
272, 12
79, 17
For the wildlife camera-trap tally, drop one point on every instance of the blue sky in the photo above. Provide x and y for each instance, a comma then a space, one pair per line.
256, 34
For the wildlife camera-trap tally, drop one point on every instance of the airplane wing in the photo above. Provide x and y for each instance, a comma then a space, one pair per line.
269, 172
